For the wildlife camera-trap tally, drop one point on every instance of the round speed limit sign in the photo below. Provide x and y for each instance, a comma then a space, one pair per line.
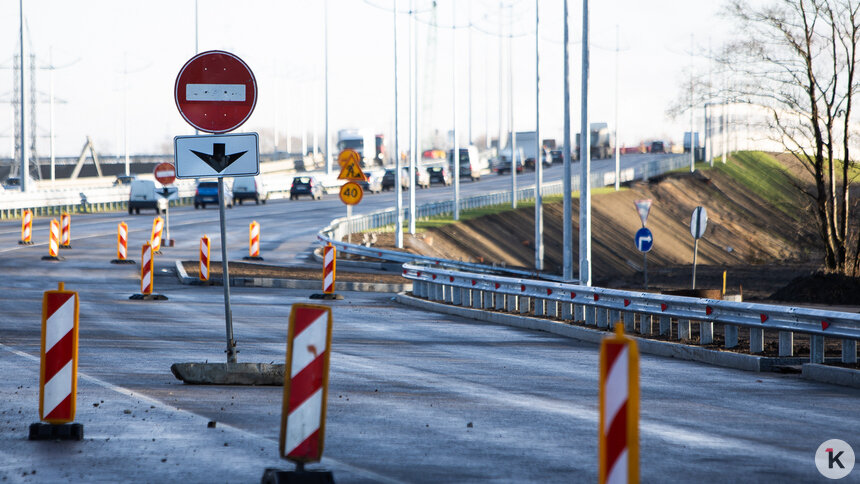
351, 193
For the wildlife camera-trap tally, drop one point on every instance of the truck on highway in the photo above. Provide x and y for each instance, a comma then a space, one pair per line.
527, 144
370, 146
601, 142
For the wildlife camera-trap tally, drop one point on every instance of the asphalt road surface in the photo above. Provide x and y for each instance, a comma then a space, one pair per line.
414, 396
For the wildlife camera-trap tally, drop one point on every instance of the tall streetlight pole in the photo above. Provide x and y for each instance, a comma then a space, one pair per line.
398, 228
455, 153
692, 134
617, 147
327, 143
511, 108
539, 250
567, 234
585, 163
413, 118
499, 148
25, 169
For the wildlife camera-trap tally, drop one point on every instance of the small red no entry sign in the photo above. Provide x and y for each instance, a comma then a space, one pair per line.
215, 91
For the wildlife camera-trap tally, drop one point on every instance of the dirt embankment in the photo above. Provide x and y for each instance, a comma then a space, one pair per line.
762, 247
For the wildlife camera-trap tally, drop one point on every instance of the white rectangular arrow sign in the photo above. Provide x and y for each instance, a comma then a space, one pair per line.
216, 155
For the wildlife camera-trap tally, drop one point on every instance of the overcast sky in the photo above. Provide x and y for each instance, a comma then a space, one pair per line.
111, 54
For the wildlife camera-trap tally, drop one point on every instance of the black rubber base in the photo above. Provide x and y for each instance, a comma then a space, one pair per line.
65, 246
50, 257
123, 261
327, 297
248, 257
276, 476
46, 431
168, 242
148, 297
21, 242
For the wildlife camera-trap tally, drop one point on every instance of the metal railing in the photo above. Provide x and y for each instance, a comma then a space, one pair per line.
599, 307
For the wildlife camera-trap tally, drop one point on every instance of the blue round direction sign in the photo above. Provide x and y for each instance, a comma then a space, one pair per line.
643, 240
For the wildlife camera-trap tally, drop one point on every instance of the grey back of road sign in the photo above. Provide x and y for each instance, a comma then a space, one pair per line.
216, 155
699, 222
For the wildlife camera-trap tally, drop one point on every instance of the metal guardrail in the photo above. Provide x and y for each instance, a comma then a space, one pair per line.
599, 307
340, 227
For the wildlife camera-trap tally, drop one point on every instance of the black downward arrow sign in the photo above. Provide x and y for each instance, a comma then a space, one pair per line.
218, 160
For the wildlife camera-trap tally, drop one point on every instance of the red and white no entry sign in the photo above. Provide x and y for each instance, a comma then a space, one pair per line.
165, 173
215, 91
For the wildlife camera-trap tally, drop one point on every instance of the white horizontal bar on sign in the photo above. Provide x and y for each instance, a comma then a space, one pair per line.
215, 92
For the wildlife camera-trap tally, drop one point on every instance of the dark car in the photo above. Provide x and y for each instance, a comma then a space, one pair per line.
439, 174
388, 178
306, 185
207, 192
658, 147
557, 156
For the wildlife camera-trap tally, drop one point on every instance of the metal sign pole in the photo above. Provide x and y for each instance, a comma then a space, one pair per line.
228, 313
645, 270
349, 224
695, 253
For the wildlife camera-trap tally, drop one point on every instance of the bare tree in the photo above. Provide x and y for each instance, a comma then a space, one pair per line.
797, 59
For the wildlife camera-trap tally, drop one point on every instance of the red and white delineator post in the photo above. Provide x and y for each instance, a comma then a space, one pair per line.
122, 245
329, 269
58, 371
147, 268
204, 258
253, 242
618, 431
305, 384
65, 231
157, 232
53, 242
26, 228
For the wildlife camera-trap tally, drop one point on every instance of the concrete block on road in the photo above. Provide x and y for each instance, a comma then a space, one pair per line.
229, 373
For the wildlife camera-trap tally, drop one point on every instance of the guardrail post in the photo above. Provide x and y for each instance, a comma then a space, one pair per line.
666, 326
500, 301
629, 324
465, 297
456, 296
540, 307
512, 302
477, 298
602, 314
816, 348
849, 351
684, 330
588, 311
578, 312
706, 332
644, 323
614, 316
756, 341
552, 308
786, 343
488, 299
420, 288
524, 304
731, 333
440, 292
566, 311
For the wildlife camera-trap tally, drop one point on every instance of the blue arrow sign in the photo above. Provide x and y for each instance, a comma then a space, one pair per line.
643, 239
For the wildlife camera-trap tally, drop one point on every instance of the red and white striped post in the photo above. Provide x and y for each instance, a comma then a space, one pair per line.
122, 245
54, 242
204, 258
58, 371
253, 242
147, 266
26, 228
305, 384
618, 441
155, 238
65, 231
329, 263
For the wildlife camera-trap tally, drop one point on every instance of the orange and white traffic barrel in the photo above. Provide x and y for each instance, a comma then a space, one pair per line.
618, 441
122, 245
204, 258
329, 263
26, 228
58, 374
65, 231
157, 232
253, 242
305, 384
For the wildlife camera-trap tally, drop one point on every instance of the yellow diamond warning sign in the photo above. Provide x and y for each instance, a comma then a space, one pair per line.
351, 171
